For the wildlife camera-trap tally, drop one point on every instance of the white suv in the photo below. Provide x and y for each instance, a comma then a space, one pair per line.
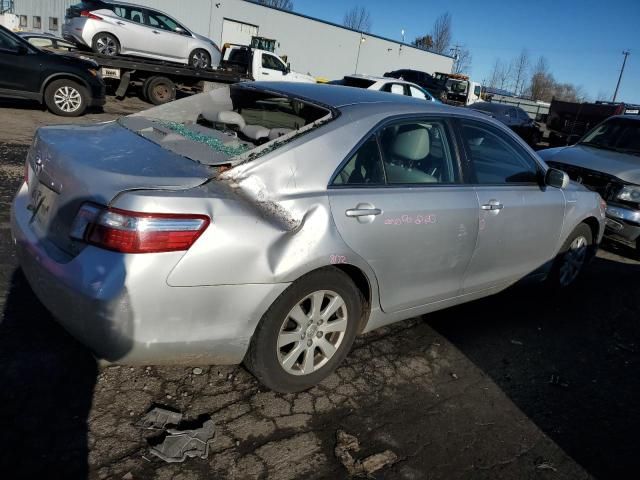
384, 84
114, 28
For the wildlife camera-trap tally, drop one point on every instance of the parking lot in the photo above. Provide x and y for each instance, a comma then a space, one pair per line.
524, 384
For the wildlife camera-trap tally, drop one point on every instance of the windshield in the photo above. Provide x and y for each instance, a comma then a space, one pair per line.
619, 134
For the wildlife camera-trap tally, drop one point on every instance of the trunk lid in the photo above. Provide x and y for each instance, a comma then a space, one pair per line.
70, 165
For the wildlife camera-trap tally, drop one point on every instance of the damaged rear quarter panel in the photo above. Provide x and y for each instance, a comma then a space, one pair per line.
271, 218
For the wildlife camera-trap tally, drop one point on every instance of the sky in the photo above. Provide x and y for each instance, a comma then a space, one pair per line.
582, 40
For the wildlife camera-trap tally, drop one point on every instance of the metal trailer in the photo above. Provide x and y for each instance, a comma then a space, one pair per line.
158, 81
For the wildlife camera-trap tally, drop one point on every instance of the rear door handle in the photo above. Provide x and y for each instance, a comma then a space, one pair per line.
120, 23
156, 32
362, 212
492, 205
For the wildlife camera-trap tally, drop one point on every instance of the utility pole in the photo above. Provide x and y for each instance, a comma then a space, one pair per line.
626, 53
454, 53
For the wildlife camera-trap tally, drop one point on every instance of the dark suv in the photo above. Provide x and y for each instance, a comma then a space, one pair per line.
66, 84
434, 85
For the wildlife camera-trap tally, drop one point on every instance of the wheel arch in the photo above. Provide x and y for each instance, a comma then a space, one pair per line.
62, 76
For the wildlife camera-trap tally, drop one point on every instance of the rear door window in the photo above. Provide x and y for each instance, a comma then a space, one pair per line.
364, 167
397, 88
417, 152
135, 15
417, 93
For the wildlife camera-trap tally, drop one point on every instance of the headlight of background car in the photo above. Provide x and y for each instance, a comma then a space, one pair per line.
630, 193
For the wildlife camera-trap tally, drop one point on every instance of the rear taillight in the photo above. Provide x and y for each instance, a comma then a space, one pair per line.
88, 14
137, 232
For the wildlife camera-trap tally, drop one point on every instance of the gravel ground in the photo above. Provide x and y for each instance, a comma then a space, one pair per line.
520, 385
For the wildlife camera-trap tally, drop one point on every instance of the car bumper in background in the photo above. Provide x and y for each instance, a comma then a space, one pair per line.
623, 224
121, 307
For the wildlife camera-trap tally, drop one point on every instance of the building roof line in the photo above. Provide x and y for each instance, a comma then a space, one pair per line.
326, 22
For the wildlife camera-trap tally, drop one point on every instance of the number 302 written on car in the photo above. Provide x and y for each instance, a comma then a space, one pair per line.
333, 259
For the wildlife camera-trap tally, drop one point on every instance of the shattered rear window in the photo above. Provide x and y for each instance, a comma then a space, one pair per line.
227, 125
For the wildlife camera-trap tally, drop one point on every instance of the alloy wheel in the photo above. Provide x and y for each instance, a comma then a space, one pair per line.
200, 60
312, 332
67, 99
573, 261
106, 46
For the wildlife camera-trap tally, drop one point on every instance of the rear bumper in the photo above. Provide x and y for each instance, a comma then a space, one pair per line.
623, 224
121, 307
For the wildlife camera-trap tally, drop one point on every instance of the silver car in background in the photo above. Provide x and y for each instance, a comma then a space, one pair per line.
271, 223
116, 28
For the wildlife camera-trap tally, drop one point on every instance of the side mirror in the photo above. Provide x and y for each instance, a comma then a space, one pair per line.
556, 178
288, 67
573, 139
22, 49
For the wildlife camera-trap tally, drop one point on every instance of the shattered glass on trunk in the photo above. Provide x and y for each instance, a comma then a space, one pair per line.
211, 142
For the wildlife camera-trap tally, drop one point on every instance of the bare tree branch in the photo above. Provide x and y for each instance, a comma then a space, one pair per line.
441, 33
358, 18
281, 4
462, 63
520, 67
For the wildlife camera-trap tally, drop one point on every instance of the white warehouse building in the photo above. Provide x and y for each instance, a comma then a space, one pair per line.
313, 46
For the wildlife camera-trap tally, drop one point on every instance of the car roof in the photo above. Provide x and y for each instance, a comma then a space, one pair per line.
338, 96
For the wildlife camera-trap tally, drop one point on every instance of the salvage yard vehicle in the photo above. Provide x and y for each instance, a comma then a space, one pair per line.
607, 160
513, 117
272, 222
65, 84
117, 28
259, 64
383, 84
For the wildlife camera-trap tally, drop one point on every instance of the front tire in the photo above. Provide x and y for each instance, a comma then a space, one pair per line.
307, 332
572, 258
66, 98
200, 59
106, 44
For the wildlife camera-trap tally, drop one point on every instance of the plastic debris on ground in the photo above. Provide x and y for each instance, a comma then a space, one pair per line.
158, 418
183, 440
180, 444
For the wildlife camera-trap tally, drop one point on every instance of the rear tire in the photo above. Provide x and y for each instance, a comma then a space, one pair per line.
159, 90
200, 59
301, 340
106, 44
66, 98
573, 256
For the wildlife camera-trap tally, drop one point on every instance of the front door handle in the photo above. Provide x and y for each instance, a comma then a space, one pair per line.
492, 205
156, 32
120, 23
362, 212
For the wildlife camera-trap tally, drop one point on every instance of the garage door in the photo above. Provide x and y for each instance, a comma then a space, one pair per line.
237, 32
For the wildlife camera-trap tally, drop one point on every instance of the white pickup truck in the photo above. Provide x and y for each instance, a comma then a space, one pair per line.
259, 65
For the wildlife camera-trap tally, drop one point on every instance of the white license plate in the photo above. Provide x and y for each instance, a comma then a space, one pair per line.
110, 73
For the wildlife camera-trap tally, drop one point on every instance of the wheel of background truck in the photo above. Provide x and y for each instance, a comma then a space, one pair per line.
307, 331
144, 88
200, 59
106, 44
572, 257
66, 98
160, 90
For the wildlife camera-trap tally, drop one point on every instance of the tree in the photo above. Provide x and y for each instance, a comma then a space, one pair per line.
441, 33
358, 18
542, 82
281, 4
462, 62
425, 42
494, 79
519, 67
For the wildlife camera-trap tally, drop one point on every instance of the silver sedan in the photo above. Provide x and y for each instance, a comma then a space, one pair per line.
271, 223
